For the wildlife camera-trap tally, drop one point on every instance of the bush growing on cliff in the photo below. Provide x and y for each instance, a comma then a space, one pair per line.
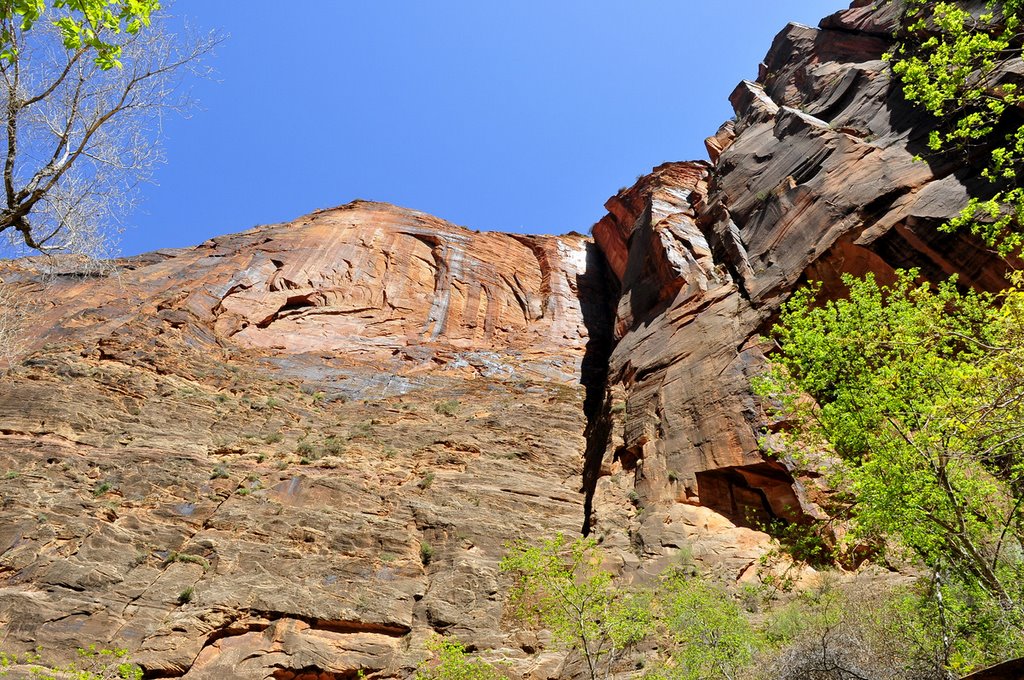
704, 633
450, 662
686, 627
562, 586
953, 62
92, 664
698, 629
447, 408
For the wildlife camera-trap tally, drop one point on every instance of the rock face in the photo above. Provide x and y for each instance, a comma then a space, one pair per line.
297, 451
300, 449
815, 176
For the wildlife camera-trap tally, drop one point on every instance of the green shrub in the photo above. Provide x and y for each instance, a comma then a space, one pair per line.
563, 587
92, 664
708, 635
188, 558
426, 553
447, 408
451, 663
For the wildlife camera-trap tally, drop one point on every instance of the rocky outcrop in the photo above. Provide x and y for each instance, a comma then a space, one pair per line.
815, 176
300, 449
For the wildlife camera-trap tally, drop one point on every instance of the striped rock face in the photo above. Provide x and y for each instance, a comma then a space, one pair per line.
303, 446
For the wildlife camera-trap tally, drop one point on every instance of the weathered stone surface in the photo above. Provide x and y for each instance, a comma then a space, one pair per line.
815, 177
297, 451
300, 449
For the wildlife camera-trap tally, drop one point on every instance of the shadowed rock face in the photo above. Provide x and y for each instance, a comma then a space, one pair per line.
814, 177
299, 450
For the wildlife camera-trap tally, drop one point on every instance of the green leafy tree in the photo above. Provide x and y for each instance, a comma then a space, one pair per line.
83, 84
959, 66
917, 398
84, 24
450, 662
563, 587
708, 637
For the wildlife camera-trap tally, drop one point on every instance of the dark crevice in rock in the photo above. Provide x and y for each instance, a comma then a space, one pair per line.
597, 290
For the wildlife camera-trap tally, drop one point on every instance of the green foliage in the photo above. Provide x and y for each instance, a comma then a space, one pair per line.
451, 663
874, 631
562, 587
188, 558
83, 24
426, 553
186, 595
447, 408
917, 414
949, 62
92, 664
803, 541
708, 635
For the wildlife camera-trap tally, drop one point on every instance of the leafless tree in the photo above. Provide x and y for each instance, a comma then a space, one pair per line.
78, 138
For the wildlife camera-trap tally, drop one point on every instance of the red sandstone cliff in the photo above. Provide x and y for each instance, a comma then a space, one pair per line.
325, 431
299, 449
815, 176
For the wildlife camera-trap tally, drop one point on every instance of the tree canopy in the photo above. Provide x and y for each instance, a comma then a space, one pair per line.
83, 24
916, 411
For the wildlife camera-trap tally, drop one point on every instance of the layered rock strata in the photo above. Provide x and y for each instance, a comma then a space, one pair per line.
815, 176
296, 451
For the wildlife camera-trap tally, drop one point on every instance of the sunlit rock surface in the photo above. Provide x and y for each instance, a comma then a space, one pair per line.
300, 450
815, 176
300, 447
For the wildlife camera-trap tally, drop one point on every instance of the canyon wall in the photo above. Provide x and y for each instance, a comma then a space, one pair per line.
815, 176
298, 451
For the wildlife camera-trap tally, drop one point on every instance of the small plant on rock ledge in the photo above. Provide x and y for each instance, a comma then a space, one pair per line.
426, 553
186, 595
447, 408
175, 556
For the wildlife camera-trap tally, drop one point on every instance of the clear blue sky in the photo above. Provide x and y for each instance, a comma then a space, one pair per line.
523, 115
